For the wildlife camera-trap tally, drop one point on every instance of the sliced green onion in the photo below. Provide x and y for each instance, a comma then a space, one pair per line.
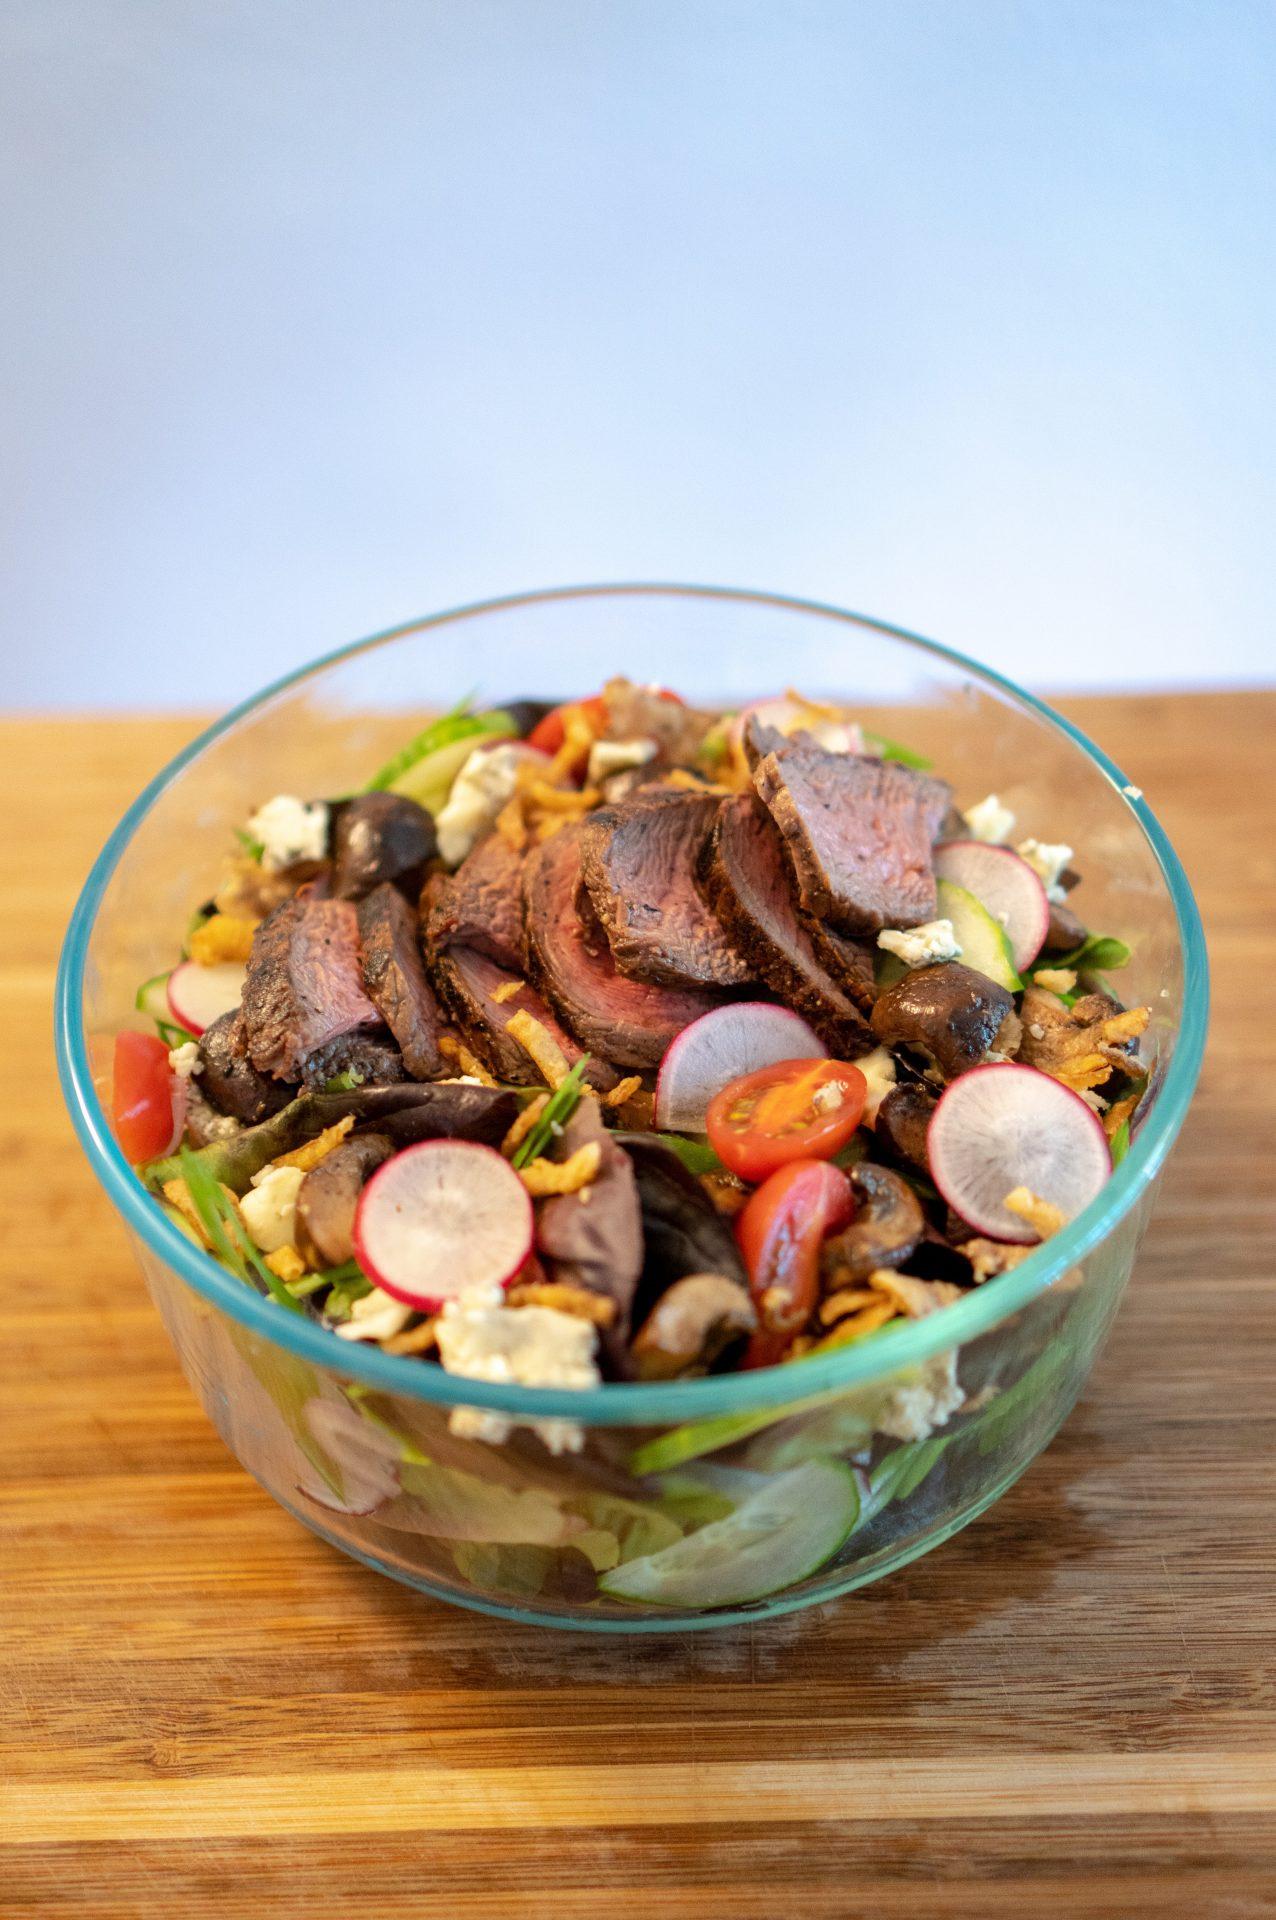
219, 1222
558, 1110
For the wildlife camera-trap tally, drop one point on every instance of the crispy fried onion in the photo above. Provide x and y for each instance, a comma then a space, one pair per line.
564, 1298
543, 1177
537, 1041
988, 1258
313, 1151
453, 1048
1041, 1215
1081, 1045
523, 1125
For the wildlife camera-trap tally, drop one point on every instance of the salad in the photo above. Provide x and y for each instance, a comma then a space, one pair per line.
623, 1040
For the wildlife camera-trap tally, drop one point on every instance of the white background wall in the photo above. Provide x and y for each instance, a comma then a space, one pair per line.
319, 315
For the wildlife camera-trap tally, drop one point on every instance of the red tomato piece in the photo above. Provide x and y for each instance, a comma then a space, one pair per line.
548, 734
794, 1110
142, 1108
780, 1233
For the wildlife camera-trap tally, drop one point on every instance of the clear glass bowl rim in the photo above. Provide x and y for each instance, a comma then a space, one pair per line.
676, 1401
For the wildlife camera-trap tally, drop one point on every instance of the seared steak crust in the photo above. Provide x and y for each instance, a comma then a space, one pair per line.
859, 833
480, 905
625, 1021
468, 982
746, 880
304, 986
395, 978
638, 862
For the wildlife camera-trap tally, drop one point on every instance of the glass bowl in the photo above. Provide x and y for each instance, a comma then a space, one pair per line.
855, 1461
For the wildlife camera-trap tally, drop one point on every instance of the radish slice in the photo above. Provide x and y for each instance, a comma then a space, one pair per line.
199, 995
1006, 886
368, 1461
440, 1217
719, 1047
1002, 1127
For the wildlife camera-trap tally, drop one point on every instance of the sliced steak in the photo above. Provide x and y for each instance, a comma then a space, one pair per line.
638, 862
394, 978
377, 837
481, 905
625, 1021
304, 986
372, 1059
594, 1239
859, 832
746, 879
469, 982
228, 1077
849, 962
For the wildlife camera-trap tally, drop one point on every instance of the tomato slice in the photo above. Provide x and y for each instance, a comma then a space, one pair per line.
794, 1110
548, 734
142, 1108
779, 1235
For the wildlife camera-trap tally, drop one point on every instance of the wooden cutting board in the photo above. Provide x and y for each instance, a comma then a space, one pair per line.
1070, 1709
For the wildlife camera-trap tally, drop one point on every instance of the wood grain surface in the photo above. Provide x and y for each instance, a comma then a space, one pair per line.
1070, 1709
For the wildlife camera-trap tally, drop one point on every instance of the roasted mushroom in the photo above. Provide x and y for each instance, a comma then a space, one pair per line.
887, 1226
1084, 1044
329, 1194
692, 1325
1065, 932
228, 1078
903, 1117
949, 1011
380, 836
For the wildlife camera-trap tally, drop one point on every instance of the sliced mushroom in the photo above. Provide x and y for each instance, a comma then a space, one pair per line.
691, 1325
903, 1117
1065, 933
329, 1194
950, 1011
887, 1226
380, 836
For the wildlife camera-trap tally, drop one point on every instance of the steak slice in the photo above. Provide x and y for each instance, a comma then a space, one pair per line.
859, 834
481, 905
304, 986
746, 879
395, 978
626, 1021
638, 861
468, 982
849, 962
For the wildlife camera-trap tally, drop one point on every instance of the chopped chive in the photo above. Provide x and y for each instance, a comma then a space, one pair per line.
559, 1109
220, 1224
253, 848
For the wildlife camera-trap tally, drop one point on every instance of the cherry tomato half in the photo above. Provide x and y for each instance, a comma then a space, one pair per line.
795, 1110
142, 1096
779, 1234
548, 734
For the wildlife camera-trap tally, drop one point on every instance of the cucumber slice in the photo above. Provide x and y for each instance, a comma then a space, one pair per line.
782, 1535
425, 769
983, 941
152, 997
